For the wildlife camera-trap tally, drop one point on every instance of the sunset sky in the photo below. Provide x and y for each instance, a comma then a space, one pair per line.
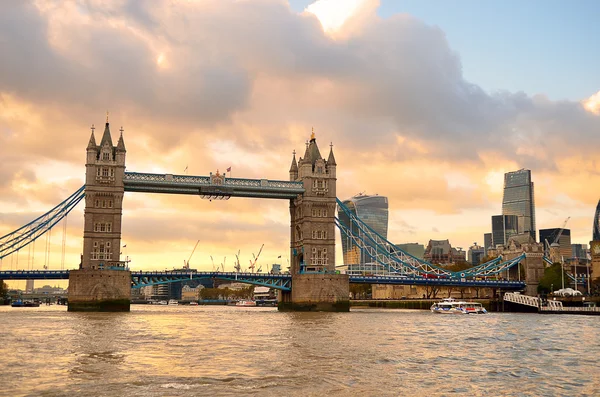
426, 102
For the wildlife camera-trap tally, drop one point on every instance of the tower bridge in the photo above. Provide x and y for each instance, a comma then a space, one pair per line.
103, 281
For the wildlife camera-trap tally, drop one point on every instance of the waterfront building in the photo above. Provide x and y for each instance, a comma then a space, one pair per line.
442, 252
487, 243
29, 285
475, 254
503, 228
519, 199
415, 249
189, 293
372, 210
564, 242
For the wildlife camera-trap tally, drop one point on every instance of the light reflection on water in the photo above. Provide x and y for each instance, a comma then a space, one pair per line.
217, 350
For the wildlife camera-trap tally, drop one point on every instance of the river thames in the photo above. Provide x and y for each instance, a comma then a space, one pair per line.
220, 350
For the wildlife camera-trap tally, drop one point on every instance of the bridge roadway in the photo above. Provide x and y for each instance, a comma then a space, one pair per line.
278, 281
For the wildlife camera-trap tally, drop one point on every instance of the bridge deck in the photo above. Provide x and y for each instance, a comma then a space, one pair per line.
278, 281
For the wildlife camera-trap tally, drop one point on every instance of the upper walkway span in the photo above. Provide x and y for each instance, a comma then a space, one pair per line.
213, 186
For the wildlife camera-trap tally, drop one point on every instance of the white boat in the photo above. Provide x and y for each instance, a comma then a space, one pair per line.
452, 306
173, 302
246, 303
193, 303
162, 302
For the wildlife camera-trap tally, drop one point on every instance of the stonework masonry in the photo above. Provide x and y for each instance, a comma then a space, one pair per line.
102, 283
315, 284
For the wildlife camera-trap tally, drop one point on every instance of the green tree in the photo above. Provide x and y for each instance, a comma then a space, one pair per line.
552, 278
459, 266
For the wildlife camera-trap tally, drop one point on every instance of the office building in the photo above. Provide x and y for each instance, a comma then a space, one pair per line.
415, 249
487, 243
372, 210
442, 252
579, 251
564, 242
475, 254
503, 228
519, 199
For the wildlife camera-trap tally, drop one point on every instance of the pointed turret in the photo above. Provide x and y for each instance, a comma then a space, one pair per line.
294, 168
92, 142
106, 136
121, 143
331, 158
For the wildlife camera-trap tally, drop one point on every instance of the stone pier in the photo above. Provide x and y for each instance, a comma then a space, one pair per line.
317, 292
99, 290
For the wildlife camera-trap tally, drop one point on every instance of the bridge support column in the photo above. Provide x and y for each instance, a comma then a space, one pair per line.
317, 292
99, 290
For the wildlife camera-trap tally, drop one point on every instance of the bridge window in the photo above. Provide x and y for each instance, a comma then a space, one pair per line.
98, 171
112, 172
108, 229
104, 171
105, 156
97, 203
110, 202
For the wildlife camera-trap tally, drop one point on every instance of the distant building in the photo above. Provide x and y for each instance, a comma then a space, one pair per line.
415, 249
579, 251
487, 243
564, 241
503, 228
596, 227
29, 285
519, 199
191, 293
475, 254
441, 252
276, 268
372, 210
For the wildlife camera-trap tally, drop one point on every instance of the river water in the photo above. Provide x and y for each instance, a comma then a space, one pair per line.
219, 350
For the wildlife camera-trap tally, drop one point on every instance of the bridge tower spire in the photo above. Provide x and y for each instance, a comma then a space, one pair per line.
316, 286
97, 285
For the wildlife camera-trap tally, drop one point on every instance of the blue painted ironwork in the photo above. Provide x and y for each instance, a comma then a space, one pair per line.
441, 282
581, 279
25, 235
34, 275
397, 261
277, 281
202, 185
282, 282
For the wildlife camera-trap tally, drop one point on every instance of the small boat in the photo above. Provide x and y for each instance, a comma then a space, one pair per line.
20, 303
162, 302
193, 303
173, 302
452, 306
247, 303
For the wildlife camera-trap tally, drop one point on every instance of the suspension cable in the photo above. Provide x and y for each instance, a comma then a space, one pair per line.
64, 241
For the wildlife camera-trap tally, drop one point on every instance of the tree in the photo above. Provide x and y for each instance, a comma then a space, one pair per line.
3, 291
552, 278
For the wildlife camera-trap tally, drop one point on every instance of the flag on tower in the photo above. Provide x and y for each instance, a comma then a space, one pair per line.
229, 169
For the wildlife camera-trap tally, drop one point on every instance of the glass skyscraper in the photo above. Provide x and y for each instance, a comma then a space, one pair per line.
519, 199
372, 210
503, 228
596, 231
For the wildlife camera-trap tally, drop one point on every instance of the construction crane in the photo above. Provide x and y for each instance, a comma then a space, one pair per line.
238, 267
252, 264
187, 264
557, 238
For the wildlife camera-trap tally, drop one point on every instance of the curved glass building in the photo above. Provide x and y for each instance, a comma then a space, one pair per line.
373, 210
596, 231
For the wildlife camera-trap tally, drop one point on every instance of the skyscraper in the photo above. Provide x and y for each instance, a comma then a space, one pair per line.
519, 199
503, 228
596, 231
372, 210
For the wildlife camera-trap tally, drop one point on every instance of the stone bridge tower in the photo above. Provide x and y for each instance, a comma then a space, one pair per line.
103, 282
315, 284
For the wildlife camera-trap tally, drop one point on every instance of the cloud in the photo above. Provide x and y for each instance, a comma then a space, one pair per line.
214, 84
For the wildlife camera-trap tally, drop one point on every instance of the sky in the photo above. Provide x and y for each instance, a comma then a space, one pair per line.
428, 103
